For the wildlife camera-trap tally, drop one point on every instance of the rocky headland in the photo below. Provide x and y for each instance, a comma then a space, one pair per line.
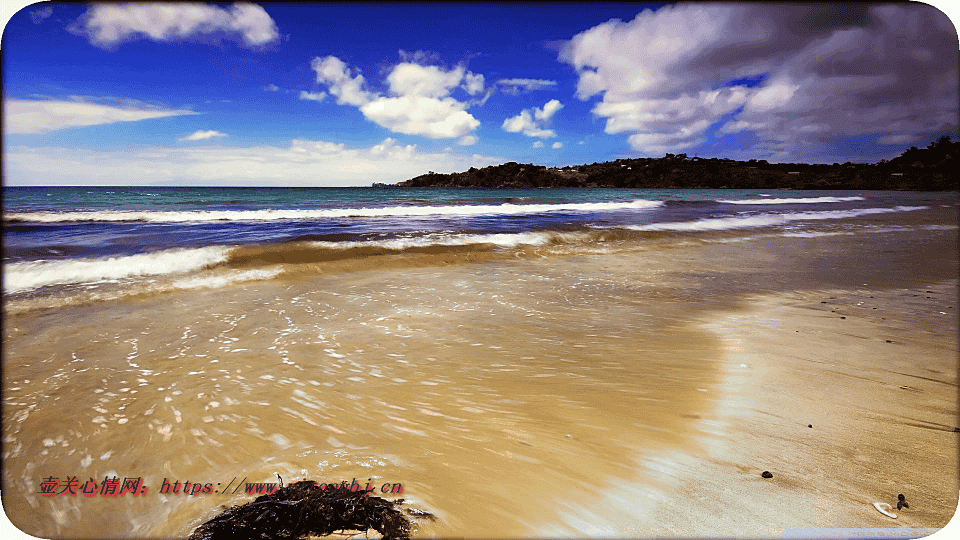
934, 168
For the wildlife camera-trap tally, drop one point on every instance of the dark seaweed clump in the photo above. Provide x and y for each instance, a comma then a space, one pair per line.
304, 509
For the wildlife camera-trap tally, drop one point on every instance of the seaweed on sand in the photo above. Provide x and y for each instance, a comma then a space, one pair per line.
304, 509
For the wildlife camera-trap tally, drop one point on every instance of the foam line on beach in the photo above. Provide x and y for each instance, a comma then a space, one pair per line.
327, 213
802, 200
537, 238
212, 282
767, 219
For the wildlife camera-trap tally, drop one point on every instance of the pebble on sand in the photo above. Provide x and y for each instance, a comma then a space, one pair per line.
766, 474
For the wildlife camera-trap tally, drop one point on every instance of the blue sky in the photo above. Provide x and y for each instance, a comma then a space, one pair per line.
325, 94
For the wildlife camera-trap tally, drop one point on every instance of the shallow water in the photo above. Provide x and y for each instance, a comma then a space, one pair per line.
483, 390
537, 393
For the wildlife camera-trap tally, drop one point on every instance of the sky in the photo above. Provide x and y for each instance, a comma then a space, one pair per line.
350, 94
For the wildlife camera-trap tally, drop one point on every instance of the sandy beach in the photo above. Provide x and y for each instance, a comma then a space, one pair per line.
848, 397
631, 394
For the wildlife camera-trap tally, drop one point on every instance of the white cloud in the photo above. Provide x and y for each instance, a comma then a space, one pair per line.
202, 135
557, 145
415, 115
548, 110
427, 81
313, 96
27, 116
419, 102
531, 122
467, 140
109, 24
515, 86
538, 144
38, 16
334, 73
819, 74
271, 87
303, 163
473, 83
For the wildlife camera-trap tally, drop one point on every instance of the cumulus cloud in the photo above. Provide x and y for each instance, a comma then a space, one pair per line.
531, 122
302, 163
202, 135
334, 73
426, 81
110, 24
538, 144
557, 145
467, 140
22, 116
516, 86
418, 101
313, 96
271, 88
800, 78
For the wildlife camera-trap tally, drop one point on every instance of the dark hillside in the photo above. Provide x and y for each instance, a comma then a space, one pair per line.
929, 169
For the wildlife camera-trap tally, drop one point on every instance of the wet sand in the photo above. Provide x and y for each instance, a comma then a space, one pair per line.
848, 397
622, 395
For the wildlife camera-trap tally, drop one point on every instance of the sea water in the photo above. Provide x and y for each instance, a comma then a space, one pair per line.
522, 362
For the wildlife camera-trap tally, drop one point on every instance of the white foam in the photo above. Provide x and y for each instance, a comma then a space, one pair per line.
302, 214
813, 234
226, 279
803, 200
766, 220
499, 239
24, 276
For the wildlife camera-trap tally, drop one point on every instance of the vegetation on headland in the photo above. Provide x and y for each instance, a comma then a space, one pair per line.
934, 168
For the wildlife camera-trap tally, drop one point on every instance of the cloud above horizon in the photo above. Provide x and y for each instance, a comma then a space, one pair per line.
110, 24
202, 135
302, 163
531, 122
793, 76
21, 116
418, 100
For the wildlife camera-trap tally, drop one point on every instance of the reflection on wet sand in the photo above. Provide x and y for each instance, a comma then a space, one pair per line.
564, 396
485, 390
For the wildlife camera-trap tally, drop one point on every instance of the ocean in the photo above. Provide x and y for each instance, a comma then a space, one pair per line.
67, 245
522, 362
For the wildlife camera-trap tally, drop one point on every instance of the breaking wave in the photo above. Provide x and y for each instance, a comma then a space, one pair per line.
24, 276
328, 213
803, 200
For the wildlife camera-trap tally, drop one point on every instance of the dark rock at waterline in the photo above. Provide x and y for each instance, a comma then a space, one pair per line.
766, 474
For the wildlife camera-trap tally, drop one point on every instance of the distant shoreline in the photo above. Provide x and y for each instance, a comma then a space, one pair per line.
930, 169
